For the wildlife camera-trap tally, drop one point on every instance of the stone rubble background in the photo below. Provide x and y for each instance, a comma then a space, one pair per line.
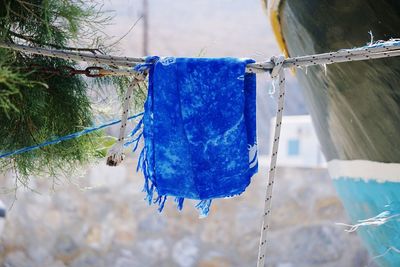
102, 220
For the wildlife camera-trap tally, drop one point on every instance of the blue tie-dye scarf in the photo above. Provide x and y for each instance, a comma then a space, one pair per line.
199, 129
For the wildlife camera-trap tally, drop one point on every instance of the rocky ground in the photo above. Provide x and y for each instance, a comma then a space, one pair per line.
101, 220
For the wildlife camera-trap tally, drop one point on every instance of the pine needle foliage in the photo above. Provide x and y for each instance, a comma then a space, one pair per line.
37, 106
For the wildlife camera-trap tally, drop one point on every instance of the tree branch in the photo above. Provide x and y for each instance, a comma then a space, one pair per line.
33, 40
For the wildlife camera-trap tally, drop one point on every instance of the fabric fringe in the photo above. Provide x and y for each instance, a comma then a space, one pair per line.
143, 166
149, 188
160, 200
135, 140
204, 207
146, 167
179, 202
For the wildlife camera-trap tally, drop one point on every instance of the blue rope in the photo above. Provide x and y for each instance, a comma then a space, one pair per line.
66, 137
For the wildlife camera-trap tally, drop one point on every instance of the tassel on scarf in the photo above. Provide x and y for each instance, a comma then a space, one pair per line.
204, 207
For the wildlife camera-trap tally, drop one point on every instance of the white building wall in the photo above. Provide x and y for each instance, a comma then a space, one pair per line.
299, 146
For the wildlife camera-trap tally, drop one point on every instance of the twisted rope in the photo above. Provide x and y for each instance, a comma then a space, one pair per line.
277, 73
116, 155
381, 49
374, 51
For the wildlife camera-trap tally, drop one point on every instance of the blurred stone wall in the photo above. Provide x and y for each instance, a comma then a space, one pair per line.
101, 220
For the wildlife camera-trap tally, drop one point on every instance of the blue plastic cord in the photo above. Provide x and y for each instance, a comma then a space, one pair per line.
66, 137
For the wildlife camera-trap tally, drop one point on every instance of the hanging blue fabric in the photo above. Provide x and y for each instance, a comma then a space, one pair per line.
199, 130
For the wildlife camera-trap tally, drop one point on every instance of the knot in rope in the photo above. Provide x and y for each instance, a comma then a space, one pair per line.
149, 61
278, 66
139, 77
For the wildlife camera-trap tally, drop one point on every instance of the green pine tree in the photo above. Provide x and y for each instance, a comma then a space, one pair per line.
36, 106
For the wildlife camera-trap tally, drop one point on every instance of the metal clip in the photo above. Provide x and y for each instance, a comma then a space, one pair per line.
93, 71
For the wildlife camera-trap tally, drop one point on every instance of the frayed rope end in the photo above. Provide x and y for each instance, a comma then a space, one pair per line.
115, 155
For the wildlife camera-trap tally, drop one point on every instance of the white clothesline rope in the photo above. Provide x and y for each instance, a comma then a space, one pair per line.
116, 152
275, 66
376, 50
277, 74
